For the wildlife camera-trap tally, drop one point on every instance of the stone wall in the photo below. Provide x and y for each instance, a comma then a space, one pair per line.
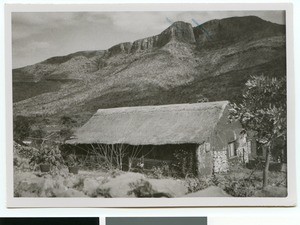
220, 161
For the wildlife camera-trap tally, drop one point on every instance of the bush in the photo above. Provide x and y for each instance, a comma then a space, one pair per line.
143, 189
104, 192
71, 160
24, 151
159, 172
156, 172
184, 163
22, 164
240, 188
48, 154
196, 184
79, 184
237, 187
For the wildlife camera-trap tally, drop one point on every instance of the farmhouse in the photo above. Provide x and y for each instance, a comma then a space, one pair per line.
198, 134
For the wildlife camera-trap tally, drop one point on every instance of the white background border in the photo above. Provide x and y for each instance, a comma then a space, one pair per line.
126, 212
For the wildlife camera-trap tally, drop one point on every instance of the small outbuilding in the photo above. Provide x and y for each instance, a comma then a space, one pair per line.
199, 134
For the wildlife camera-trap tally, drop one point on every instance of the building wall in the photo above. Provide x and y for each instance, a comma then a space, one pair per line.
220, 159
223, 134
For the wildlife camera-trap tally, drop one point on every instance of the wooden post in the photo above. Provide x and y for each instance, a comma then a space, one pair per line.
266, 169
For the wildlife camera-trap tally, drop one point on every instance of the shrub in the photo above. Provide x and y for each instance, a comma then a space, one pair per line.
79, 184
156, 172
143, 189
104, 192
184, 163
159, 172
72, 160
196, 184
236, 186
48, 154
24, 151
22, 164
240, 188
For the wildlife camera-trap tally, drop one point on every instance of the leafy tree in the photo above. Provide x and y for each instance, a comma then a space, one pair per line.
263, 110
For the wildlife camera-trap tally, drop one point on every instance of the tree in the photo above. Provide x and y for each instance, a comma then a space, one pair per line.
263, 110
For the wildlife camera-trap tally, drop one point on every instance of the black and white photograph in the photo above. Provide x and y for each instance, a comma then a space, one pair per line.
170, 104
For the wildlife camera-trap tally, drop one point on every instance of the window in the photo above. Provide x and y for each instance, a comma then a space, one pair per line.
231, 150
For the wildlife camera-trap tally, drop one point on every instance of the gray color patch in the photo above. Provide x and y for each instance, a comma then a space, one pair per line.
156, 221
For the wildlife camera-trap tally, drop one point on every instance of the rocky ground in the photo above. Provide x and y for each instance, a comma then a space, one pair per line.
240, 182
118, 184
96, 184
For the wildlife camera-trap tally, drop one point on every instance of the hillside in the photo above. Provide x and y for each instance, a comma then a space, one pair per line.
180, 64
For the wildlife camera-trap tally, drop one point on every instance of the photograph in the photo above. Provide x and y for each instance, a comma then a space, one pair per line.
186, 104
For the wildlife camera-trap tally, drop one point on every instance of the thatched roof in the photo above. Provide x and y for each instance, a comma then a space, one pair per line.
151, 125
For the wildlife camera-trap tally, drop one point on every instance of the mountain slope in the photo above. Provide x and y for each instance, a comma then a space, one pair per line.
177, 66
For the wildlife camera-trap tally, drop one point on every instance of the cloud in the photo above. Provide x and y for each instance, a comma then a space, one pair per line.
42, 18
31, 48
24, 54
38, 35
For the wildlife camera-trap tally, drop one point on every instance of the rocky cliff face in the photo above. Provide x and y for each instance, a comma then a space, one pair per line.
119, 49
179, 31
213, 60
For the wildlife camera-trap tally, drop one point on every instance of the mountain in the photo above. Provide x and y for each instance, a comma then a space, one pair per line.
179, 65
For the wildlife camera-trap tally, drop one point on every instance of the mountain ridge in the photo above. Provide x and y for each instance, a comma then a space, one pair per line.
149, 70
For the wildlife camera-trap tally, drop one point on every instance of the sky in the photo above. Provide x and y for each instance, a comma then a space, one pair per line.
37, 36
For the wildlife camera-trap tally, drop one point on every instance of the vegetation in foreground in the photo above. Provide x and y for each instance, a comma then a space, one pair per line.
60, 181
